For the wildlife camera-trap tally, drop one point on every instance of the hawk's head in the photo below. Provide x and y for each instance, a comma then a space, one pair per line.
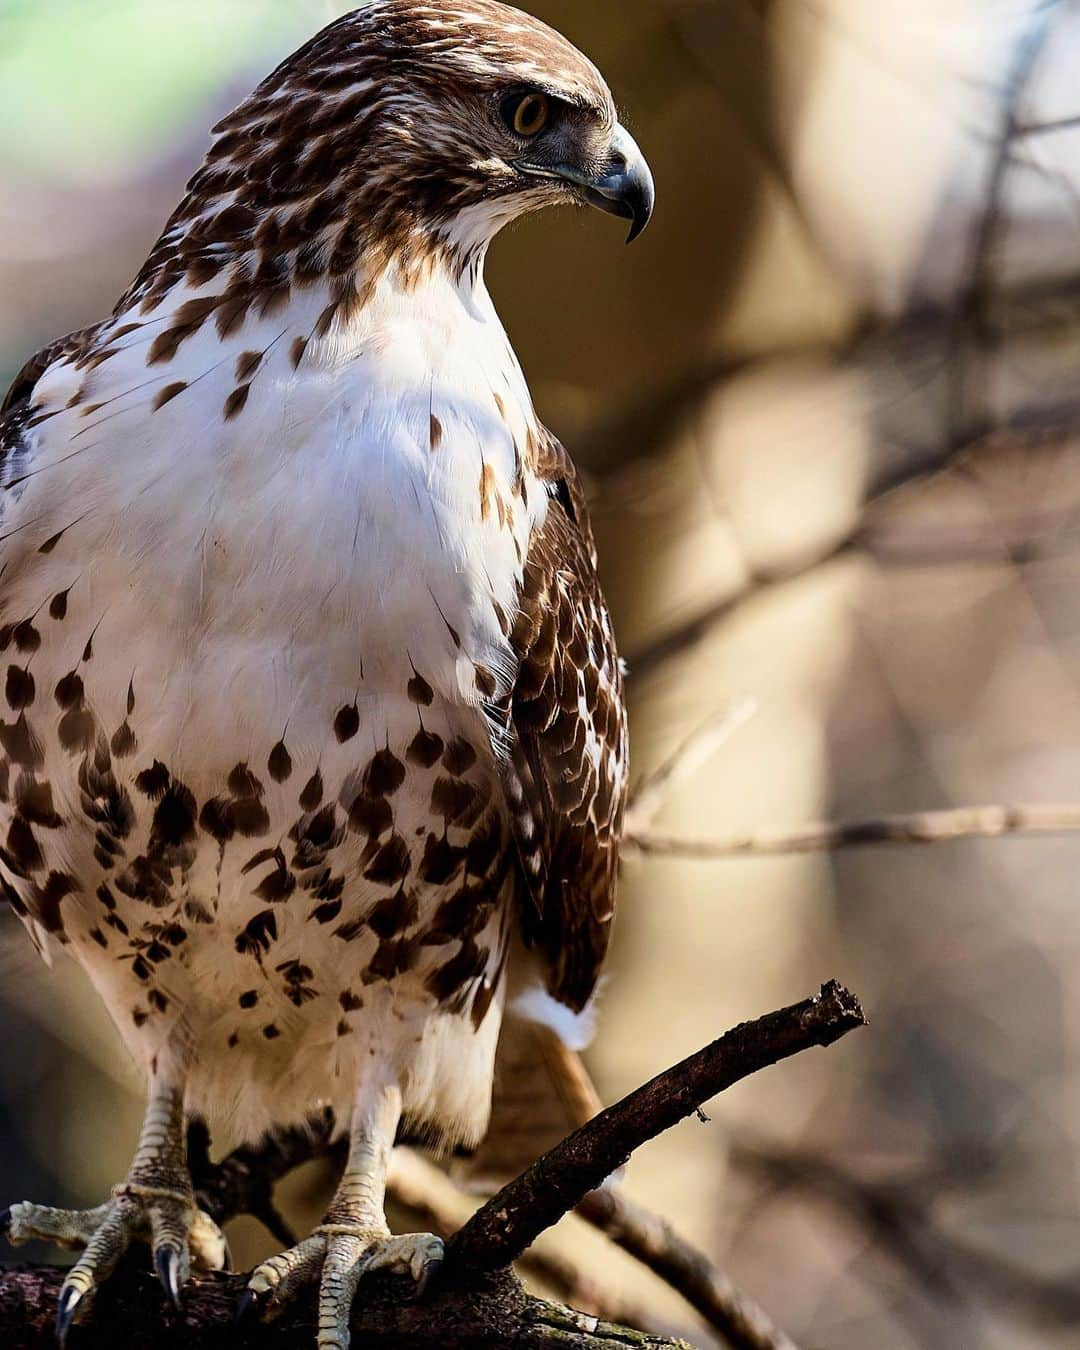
407, 128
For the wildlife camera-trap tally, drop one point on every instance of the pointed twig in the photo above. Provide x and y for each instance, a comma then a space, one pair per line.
503, 1228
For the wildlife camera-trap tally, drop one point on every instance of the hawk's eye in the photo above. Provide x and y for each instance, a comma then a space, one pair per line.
527, 114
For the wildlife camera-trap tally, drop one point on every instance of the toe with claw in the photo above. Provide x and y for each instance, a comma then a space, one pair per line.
337, 1256
179, 1233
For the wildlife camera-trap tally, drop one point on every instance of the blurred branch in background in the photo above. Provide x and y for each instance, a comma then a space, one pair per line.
651, 792
920, 827
974, 332
899, 1215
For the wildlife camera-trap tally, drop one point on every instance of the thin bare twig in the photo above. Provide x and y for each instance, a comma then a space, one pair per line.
920, 827
1048, 127
647, 799
656, 1245
1020, 540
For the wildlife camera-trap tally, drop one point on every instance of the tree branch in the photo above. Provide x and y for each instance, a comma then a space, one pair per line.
920, 827
655, 1244
442, 1207
243, 1184
503, 1228
434, 1203
971, 320
476, 1301
486, 1313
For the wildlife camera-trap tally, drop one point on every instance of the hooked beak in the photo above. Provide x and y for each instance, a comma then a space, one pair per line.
626, 189
624, 186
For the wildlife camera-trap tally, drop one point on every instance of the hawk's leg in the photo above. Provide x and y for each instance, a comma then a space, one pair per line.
353, 1238
155, 1203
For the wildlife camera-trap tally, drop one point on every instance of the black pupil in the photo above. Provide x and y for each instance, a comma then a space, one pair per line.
530, 114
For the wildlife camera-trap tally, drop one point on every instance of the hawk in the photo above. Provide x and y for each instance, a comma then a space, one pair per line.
314, 751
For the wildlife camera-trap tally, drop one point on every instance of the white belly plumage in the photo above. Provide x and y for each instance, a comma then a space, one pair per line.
251, 784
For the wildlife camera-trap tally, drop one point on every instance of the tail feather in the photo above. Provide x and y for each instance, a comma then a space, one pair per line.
542, 1093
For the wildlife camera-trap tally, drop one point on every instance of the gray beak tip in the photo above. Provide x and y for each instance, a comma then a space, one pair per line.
638, 225
629, 190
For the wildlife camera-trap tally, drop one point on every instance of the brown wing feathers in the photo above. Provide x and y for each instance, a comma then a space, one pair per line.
567, 767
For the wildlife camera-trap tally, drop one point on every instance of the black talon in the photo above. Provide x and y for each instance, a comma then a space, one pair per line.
247, 1310
167, 1262
65, 1312
431, 1269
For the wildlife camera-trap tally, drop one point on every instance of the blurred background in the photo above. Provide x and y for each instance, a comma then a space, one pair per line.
829, 412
